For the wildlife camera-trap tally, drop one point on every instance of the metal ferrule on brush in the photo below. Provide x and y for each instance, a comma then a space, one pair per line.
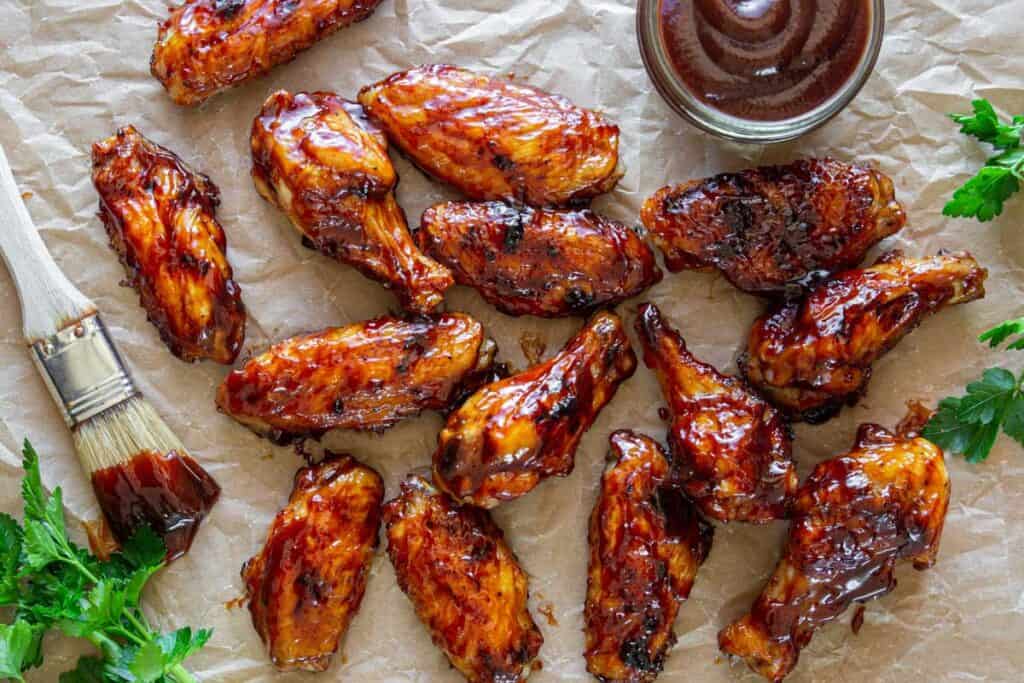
83, 370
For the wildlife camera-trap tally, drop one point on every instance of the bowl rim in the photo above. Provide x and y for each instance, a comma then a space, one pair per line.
680, 99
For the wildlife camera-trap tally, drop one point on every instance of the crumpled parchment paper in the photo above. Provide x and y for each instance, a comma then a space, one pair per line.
71, 71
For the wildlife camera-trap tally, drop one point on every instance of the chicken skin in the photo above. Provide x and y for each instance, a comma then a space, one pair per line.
733, 451
768, 229
547, 263
306, 585
646, 543
317, 158
512, 434
854, 518
366, 376
207, 46
494, 139
464, 583
160, 216
812, 356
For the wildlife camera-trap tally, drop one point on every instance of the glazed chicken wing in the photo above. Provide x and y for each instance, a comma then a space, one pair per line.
206, 46
854, 518
319, 160
541, 262
464, 582
366, 376
732, 449
646, 544
812, 356
512, 434
160, 217
767, 229
306, 585
494, 139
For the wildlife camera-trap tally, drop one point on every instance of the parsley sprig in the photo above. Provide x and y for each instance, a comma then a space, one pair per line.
51, 583
970, 424
983, 196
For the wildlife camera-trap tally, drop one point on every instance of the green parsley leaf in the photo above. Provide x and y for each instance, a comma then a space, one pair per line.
18, 642
983, 196
11, 538
985, 125
182, 644
148, 664
988, 397
1003, 331
89, 670
1014, 424
946, 430
970, 424
145, 549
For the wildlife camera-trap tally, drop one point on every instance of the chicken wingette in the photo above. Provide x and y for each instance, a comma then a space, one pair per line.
491, 138
732, 450
774, 228
464, 583
366, 376
160, 216
512, 434
306, 585
316, 157
548, 263
853, 519
812, 356
646, 543
206, 46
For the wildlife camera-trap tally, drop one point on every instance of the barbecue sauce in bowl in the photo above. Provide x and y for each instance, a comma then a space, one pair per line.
765, 60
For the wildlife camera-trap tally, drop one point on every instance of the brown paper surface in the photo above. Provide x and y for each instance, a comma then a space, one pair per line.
71, 71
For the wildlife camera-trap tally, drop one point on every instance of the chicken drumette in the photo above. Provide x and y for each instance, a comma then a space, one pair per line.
770, 228
495, 139
540, 262
206, 46
812, 356
512, 434
646, 543
306, 585
854, 517
323, 164
732, 450
464, 582
160, 217
365, 376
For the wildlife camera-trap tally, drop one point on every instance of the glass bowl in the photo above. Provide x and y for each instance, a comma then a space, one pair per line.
684, 102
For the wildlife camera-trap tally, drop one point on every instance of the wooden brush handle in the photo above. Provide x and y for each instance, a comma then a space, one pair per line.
48, 300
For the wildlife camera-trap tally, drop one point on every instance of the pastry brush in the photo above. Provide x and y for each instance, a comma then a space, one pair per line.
140, 471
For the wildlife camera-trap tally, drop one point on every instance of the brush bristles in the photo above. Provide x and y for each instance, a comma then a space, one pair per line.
122, 432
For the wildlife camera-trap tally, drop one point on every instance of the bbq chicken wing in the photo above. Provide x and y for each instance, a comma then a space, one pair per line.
732, 449
366, 376
464, 583
767, 229
854, 518
541, 262
646, 544
323, 164
494, 139
812, 356
160, 217
306, 585
512, 434
206, 46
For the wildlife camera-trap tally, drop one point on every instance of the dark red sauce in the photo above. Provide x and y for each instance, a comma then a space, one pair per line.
170, 492
765, 60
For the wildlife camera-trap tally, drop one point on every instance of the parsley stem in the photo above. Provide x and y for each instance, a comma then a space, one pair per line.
180, 674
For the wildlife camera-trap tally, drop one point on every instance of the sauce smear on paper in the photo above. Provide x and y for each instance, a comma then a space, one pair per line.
765, 60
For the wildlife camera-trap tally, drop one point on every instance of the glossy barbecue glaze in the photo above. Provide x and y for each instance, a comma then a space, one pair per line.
646, 544
491, 138
541, 262
160, 216
464, 582
168, 492
854, 518
512, 434
206, 46
316, 157
768, 229
732, 450
365, 376
306, 585
812, 356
